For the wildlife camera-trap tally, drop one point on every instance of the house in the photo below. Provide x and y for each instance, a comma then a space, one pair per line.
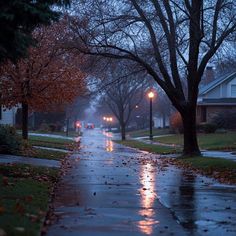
161, 121
216, 96
7, 116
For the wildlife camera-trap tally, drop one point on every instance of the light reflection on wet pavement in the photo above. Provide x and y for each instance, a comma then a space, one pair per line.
114, 190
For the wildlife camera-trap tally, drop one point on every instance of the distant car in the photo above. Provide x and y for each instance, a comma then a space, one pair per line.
89, 126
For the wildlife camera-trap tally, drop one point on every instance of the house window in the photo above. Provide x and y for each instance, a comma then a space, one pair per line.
233, 90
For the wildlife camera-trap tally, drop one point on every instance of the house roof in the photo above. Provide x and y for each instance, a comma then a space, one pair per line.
218, 102
207, 88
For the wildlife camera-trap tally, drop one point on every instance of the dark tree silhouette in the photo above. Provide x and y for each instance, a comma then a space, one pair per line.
18, 19
172, 40
122, 93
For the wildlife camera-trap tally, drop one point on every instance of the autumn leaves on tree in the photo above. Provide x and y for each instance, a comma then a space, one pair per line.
49, 77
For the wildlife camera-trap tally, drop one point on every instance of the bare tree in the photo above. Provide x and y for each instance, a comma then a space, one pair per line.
122, 94
172, 40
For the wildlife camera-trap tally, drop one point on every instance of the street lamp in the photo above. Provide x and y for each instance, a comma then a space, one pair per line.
151, 96
108, 120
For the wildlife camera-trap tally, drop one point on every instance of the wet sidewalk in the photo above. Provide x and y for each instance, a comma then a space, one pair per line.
114, 190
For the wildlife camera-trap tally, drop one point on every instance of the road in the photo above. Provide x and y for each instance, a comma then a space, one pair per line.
112, 190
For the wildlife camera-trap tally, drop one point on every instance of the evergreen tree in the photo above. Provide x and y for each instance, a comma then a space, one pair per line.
18, 18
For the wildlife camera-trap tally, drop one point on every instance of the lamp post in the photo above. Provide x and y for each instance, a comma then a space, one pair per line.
151, 96
110, 120
104, 122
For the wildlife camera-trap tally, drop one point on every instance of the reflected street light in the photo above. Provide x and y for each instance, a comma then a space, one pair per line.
151, 96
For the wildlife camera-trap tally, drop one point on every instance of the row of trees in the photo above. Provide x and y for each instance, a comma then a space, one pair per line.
173, 41
121, 92
125, 96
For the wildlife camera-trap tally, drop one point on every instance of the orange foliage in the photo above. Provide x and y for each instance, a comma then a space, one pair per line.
176, 123
49, 76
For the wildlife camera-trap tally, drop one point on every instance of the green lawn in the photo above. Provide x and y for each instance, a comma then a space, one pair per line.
141, 133
30, 151
51, 142
226, 141
47, 154
24, 194
70, 134
220, 168
149, 147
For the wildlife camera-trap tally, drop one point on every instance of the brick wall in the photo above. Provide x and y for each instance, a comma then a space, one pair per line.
211, 111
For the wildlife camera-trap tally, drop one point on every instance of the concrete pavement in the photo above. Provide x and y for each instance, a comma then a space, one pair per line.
115, 190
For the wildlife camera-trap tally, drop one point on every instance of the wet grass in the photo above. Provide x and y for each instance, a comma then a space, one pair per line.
149, 147
210, 162
70, 134
145, 132
226, 141
24, 194
51, 142
219, 168
47, 154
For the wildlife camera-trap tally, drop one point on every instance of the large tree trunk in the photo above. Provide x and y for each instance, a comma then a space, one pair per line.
190, 133
25, 110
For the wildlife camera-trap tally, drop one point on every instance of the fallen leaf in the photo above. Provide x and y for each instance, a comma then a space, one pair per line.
2, 210
5, 181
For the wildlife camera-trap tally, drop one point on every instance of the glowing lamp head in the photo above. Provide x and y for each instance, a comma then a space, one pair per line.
151, 94
104, 118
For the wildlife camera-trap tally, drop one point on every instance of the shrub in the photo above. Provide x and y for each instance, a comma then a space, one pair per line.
221, 131
44, 127
10, 141
176, 124
225, 119
207, 127
26, 148
52, 127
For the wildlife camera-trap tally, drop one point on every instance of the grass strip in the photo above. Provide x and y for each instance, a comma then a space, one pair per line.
24, 194
158, 149
145, 132
222, 169
51, 142
47, 154
62, 133
216, 141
